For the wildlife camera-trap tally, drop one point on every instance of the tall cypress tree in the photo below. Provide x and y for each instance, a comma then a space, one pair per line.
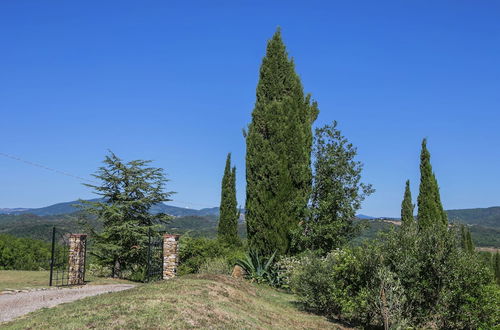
228, 219
278, 159
407, 206
430, 209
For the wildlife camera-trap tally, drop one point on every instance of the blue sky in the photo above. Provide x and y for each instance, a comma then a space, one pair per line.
175, 82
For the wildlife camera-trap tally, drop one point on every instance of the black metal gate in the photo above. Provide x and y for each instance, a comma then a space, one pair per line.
154, 270
60, 259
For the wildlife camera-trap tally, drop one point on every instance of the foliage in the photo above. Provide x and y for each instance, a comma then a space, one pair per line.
412, 277
489, 217
257, 267
194, 252
128, 191
23, 253
407, 206
496, 267
215, 266
466, 239
430, 209
229, 215
337, 193
278, 154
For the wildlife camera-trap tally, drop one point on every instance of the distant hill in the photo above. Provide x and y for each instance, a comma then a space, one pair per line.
488, 217
69, 207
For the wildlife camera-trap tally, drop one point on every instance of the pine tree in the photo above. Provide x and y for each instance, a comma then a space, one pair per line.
228, 220
278, 158
128, 191
407, 206
430, 209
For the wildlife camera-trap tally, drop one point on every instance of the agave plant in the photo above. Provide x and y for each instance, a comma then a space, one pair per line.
258, 268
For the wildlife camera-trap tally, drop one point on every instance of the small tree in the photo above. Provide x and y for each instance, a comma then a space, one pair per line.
407, 206
496, 267
228, 219
128, 191
337, 192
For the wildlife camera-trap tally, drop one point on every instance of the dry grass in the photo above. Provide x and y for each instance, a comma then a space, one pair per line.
201, 301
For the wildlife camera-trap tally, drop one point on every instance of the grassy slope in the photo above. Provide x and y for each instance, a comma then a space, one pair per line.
199, 301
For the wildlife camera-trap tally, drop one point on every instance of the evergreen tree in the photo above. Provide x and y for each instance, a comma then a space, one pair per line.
496, 267
128, 191
278, 158
407, 206
337, 193
467, 243
228, 220
430, 209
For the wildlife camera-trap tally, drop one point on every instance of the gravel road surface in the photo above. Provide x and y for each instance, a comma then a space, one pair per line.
17, 304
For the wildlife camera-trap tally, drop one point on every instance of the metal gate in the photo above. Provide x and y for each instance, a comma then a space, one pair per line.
62, 263
154, 267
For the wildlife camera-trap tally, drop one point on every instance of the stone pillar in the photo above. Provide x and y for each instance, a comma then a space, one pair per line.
170, 255
77, 246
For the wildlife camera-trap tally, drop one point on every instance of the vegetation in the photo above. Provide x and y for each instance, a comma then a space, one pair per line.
229, 215
278, 157
200, 301
407, 206
128, 191
258, 268
23, 253
430, 209
430, 283
195, 253
487, 217
337, 193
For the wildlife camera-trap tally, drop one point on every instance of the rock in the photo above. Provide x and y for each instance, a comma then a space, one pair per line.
238, 272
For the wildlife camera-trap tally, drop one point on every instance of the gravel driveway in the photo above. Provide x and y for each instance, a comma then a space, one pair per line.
17, 304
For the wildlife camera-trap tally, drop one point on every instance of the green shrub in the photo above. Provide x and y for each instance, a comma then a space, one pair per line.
24, 253
411, 277
216, 266
194, 252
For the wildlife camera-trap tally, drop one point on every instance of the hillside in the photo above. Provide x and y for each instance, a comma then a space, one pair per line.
199, 301
487, 217
40, 227
70, 207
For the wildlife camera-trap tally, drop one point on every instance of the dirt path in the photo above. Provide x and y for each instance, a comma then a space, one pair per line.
17, 304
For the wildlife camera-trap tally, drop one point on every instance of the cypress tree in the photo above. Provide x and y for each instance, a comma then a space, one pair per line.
496, 267
430, 209
470, 243
228, 219
407, 206
278, 158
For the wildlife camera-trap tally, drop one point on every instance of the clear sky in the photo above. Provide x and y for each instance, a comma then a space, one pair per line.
175, 82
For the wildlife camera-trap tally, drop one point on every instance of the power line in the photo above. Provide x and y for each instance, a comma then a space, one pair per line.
19, 159
45, 167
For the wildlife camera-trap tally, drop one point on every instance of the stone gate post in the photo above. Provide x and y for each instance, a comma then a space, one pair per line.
77, 247
170, 255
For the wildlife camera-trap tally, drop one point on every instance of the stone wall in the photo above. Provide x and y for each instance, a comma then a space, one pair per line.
170, 255
77, 246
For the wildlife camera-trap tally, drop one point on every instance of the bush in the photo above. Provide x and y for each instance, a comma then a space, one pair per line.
195, 252
24, 253
411, 277
258, 268
216, 266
